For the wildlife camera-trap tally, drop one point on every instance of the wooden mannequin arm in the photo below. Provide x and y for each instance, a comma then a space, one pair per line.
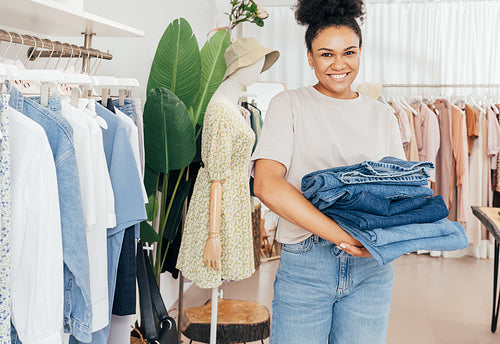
212, 251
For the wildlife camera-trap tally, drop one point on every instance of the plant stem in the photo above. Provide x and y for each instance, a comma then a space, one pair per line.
164, 192
167, 213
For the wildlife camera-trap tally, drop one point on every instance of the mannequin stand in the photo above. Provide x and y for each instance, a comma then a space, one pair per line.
237, 322
213, 317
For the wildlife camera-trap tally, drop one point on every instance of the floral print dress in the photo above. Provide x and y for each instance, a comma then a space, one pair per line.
4, 221
227, 143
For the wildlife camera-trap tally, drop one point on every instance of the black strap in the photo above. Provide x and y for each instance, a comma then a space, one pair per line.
145, 300
158, 304
150, 297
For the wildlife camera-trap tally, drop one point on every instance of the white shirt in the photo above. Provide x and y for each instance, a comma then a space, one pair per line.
36, 254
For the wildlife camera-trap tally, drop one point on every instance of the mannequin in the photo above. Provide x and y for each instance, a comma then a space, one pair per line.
228, 92
217, 241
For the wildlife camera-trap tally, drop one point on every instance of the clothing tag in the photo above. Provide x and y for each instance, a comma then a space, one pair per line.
75, 95
44, 95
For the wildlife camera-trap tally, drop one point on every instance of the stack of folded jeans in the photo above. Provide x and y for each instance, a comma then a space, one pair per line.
386, 205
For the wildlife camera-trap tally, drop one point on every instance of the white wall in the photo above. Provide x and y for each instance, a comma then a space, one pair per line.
133, 56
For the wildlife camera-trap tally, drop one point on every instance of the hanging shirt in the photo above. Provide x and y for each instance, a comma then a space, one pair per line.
444, 157
133, 136
37, 248
404, 124
5, 220
461, 163
137, 107
475, 180
472, 121
430, 138
78, 312
89, 170
129, 201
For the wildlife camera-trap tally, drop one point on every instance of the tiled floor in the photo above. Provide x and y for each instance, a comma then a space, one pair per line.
435, 300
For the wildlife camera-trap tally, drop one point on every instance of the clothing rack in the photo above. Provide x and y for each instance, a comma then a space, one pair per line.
48, 48
443, 85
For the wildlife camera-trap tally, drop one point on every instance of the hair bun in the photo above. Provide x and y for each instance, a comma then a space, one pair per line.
311, 12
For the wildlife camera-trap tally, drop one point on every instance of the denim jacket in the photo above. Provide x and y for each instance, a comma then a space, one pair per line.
77, 306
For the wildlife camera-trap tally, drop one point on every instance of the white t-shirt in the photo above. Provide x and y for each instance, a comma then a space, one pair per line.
36, 241
307, 131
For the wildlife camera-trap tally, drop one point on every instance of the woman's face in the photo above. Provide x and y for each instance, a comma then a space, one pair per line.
335, 57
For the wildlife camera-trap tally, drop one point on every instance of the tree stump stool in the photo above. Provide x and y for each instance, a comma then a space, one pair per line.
237, 322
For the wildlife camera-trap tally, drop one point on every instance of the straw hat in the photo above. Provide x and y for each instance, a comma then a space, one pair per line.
370, 90
245, 51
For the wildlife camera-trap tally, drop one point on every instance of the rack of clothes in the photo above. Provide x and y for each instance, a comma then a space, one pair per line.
455, 126
72, 195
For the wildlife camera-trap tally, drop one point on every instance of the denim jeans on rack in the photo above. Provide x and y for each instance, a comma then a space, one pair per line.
77, 306
387, 244
433, 210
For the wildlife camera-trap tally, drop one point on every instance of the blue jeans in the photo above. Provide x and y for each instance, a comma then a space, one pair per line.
323, 294
373, 204
389, 178
433, 210
387, 244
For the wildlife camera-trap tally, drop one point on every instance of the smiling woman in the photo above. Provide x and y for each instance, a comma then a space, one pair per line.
327, 288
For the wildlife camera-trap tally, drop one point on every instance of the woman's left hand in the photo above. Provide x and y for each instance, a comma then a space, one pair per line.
354, 250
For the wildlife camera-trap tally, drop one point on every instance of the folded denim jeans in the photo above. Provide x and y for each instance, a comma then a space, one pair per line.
387, 244
373, 204
389, 170
433, 210
327, 198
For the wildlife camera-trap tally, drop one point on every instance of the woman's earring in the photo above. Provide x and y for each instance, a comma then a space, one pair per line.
312, 68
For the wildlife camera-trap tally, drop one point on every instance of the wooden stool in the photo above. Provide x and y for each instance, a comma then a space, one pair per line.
237, 322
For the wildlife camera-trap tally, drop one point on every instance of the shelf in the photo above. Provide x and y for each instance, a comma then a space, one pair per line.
52, 18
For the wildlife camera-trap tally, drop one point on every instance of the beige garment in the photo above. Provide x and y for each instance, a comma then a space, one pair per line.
459, 188
411, 150
486, 175
444, 158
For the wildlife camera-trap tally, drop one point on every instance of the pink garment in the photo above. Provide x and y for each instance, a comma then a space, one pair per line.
430, 139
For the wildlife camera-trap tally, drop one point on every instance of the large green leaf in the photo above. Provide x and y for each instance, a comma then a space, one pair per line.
148, 234
150, 180
213, 67
168, 132
175, 216
177, 62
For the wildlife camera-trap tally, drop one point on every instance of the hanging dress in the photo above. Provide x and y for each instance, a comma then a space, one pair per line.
227, 143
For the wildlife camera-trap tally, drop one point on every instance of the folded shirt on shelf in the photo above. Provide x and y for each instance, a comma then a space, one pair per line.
386, 206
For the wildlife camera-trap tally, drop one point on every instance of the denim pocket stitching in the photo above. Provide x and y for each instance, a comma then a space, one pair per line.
298, 248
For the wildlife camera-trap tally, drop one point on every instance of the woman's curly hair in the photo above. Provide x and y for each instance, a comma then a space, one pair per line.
320, 14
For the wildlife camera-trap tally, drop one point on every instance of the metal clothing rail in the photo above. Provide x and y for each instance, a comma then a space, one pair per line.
442, 85
49, 48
